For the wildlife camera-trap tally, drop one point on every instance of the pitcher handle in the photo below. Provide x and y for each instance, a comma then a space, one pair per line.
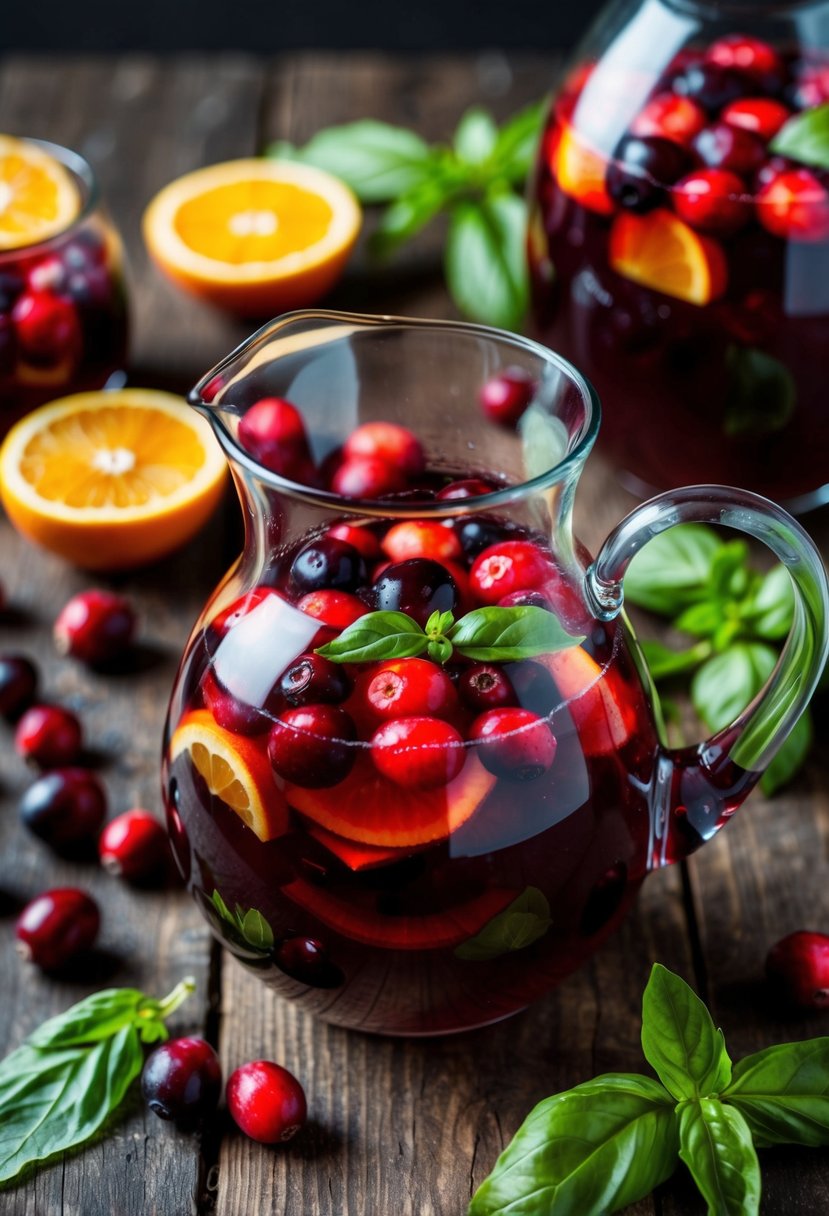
754, 737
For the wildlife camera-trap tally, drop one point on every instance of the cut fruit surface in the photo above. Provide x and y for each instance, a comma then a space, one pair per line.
603, 724
353, 854
662, 252
255, 236
234, 770
580, 171
38, 197
368, 808
111, 480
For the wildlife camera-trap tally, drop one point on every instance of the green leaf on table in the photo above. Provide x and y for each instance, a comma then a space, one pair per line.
517, 142
485, 259
377, 635
475, 136
673, 569
588, 1152
789, 759
783, 1093
679, 1039
716, 1145
727, 683
770, 610
664, 662
805, 138
520, 924
508, 634
761, 393
95, 1017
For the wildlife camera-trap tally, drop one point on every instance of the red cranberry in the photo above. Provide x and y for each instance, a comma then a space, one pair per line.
328, 563
710, 85
182, 1080
48, 736
312, 745
400, 687
57, 926
266, 1101
641, 168
418, 753
362, 539
417, 587
134, 846
712, 200
811, 87
721, 146
760, 115
511, 565
670, 117
794, 205
749, 55
471, 487
18, 685
338, 609
389, 442
231, 713
312, 678
95, 626
367, 477
421, 538
505, 397
798, 966
306, 960
273, 432
514, 743
64, 807
47, 327
485, 686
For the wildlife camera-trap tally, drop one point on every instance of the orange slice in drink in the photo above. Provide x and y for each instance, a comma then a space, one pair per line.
661, 252
38, 197
235, 771
580, 171
254, 236
111, 480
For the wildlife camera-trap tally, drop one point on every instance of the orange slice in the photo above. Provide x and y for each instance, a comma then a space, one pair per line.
580, 171
111, 480
604, 724
38, 197
255, 236
661, 252
234, 770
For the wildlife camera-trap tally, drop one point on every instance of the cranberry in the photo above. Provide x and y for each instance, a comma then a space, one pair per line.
306, 960
367, 477
417, 587
47, 327
485, 686
795, 205
328, 563
134, 846
710, 85
312, 678
311, 745
641, 168
400, 687
182, 1080
266, 1101
470, 487
361, 539
749, 55
534, 686
798, 966
760, 115
421, 538
233, 714
95, 626
48, 735
721, 146
64, 807
273, 432
336, 608
57, 926
389, 442
670, 117
514, 743
18, 685
478, 533
512, 565
418, 752
712, 200
505, 397
811, 87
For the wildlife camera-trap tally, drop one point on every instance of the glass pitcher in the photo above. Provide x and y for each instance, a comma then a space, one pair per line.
412, 768
680, 240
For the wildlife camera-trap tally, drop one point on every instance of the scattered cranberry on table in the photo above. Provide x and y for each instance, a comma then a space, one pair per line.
266, 1101
134, 846
57, 927
64, 807
95, 626
182, 1080
18, 685
48, 736
797, 967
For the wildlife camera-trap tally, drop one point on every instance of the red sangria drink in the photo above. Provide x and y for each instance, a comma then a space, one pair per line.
63, 316
680, 241
411, 768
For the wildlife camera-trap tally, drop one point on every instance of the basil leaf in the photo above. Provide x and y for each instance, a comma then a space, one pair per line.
788, 760
805, 137
673, 569
222, 908
702, 620
715, 1144
771, 609
730, 576
587, 1152
485, 261
726, 684
523, 922
475, 136
405, 217
508, 634
783, 1093
377, 160
680, 1040
256, 930
51, 1101
377, 635
663, 662
94, 1018
515, 147
761, 393
439, 650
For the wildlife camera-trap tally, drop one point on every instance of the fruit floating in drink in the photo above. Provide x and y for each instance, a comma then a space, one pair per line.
680, 245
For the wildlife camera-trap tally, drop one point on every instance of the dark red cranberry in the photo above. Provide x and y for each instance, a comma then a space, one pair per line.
57, 926
18, 685
485, 686
798, 968
386, 441
313, 678
514, 743
266, 1102
273, 432
95, 626
478, 533
750, 56
328, 563
306, 960
505, 397
49, 736
711, 85
312, 745
182, 1080
712, 200
721, 146
417, 587
641, 169
233, 714
65, 807
471, 487
47, 327
134, 846
400, 687
367, 477
418, 753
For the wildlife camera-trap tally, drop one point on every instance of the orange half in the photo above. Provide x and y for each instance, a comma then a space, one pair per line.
38, 197
659, 251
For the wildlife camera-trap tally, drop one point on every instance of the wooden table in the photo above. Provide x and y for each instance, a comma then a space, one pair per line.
397, 1128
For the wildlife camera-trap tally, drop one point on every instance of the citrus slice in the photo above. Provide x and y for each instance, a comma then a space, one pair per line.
111, 480
604, 724
580, 171
234, 770
255, 236
661, 252
38, 197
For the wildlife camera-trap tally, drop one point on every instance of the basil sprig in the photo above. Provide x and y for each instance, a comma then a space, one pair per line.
805, 137
487, 635
608, 1143
59, 1088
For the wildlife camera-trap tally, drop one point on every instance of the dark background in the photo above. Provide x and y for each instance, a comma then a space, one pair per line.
269, 26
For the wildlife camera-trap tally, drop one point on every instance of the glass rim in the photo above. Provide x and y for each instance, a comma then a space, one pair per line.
391, 507
80, 168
